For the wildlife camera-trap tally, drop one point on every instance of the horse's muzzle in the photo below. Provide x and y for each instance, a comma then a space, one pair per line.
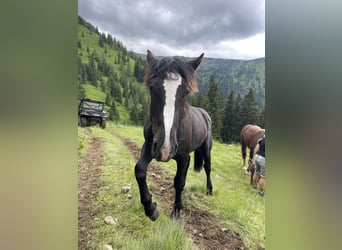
164, 153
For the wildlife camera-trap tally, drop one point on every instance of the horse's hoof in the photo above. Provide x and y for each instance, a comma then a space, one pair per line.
210, 193
155, 214
175, 214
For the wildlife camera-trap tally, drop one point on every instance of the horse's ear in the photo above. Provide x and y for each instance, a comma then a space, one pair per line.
150, 58
196, 63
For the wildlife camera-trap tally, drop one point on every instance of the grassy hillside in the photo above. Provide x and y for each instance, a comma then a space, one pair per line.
90, 41
234, 203
107, 73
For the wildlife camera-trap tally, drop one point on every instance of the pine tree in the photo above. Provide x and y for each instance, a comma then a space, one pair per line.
228, 118
214, 108
250, 108
199, 100
134, 115
108, 99
237, 119
92, 71
262, 118
129, 69
109, 39
81, 91
102, 39
139, 70
81, 70
114, 113
144, 115
103, 85
116, 92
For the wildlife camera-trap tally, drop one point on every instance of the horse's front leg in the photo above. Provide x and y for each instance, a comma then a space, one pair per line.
179, 183
151, 209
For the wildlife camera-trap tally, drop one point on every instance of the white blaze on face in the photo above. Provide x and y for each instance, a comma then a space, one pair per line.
170, 85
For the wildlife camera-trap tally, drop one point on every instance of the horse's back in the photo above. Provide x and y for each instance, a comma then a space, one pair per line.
200, 118
203, 113
250, 135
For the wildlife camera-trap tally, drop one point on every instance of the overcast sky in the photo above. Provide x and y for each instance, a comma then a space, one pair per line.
232, 29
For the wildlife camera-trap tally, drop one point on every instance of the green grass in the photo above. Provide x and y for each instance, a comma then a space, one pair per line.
234, 201
133, 229
94, 93
235, 204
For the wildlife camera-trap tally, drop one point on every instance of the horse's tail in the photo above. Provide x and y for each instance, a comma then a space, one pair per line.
243, 150
243, 145
198, 162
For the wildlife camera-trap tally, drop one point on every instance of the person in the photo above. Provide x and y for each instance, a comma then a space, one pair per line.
259, 162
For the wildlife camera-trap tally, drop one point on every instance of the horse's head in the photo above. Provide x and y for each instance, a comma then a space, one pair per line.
170, 80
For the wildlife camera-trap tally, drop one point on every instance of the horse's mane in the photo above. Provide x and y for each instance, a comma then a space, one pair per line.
165, 66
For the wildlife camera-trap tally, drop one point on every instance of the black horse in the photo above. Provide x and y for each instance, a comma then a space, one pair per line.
174, 128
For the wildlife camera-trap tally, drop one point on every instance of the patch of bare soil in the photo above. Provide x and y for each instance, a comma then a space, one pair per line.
206, 231
88, 186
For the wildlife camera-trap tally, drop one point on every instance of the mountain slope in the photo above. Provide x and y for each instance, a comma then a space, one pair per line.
236, 75
108, 72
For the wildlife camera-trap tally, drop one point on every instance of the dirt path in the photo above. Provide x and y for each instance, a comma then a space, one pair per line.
89, 173
205, 229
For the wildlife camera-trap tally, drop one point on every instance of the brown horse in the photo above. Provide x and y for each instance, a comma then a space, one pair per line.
250, 134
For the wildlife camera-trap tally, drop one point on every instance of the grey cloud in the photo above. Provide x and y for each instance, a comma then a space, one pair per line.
177, 23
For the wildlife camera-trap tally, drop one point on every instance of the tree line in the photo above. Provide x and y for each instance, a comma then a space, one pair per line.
230, 115
121, 79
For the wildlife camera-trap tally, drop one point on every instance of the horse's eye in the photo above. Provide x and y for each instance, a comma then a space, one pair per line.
185, 90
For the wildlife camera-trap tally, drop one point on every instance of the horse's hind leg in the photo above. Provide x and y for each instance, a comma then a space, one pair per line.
251, 154
207, 166
179, 183
151, 209
198, 160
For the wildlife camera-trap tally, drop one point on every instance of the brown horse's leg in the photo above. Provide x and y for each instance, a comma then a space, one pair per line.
179, 183
251, 153
151, 209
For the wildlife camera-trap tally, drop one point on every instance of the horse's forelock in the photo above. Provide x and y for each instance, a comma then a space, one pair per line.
166, 66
